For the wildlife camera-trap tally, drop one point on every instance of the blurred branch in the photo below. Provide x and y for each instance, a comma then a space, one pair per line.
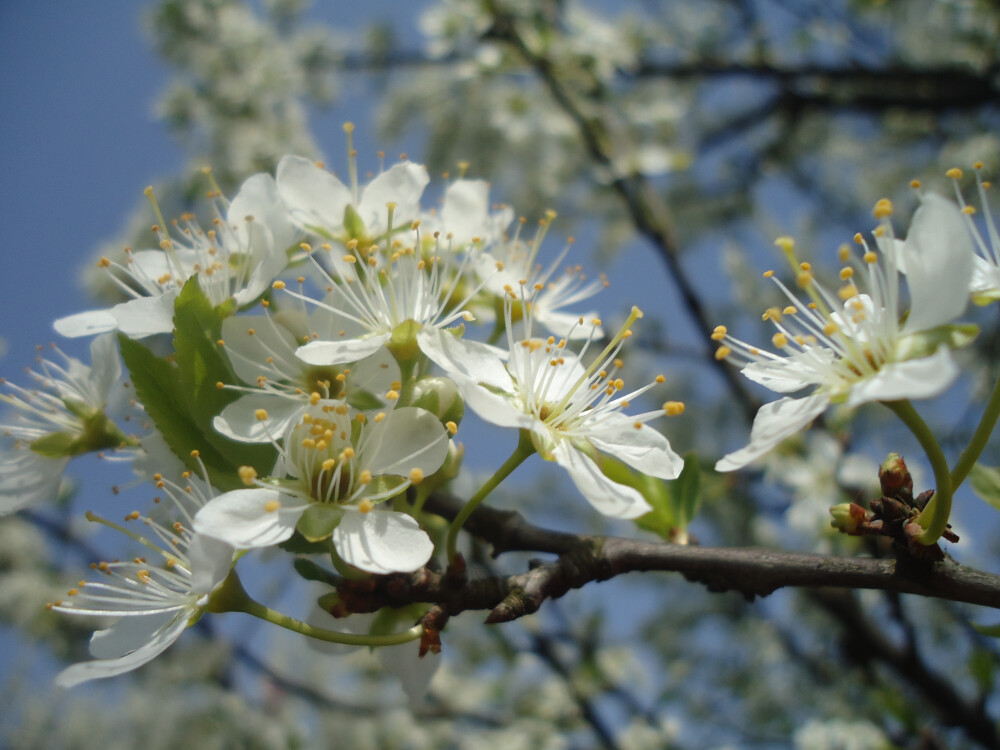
865, 641
644, 205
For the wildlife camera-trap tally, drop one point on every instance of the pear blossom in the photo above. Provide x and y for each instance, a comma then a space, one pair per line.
332, 473
155, 600
851, 346
985, 286
319, 203
395, 299
574, 413
62, 418
512, 263
237, 259
262, 350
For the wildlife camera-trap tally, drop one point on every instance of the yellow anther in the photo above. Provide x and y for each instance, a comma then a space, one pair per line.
787, 244
134, 515
366, 506
803, 279
349, 259
195, 453
103, 262
660, 379
858, 239
72, 592
347, 453
768, 274
392, 395
846, 273
883, 209
380, 416
637, 425
954, 173
977, 165
271, 506
278, 285
722, 352
452, 427
416, 476
968, 210
830, 328
595, 322
308, 443
673, 408
847, 292
780, 340
329, 464
261, 414
915, 184
247, 475
314, 398
619, 384
771, 313
790, 310
870, 257
719, 333
365, 477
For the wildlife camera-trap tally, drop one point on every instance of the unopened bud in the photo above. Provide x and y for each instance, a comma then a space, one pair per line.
895, 478
439, 396
848, 517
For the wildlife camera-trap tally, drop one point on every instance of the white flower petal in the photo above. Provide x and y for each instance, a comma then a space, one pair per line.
469, 360
408, 438
314, 197
644, 449
775, 422
248, 352
402, 184
325, 353
566, 325
241, 518
413, 671
238, 420
916, 378
128, 634
382, 541
27, 479
609, 498
145, 316
86, 323
93, 670
105, 367
465, 211
258, 197
211, 560
789, 374
939, 253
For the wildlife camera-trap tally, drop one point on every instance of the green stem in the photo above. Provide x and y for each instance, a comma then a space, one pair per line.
979, 438
232, 597
524, 449
934, 517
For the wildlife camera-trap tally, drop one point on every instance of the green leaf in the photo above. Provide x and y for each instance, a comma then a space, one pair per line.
993, 631
157, 384
319, 521
202, 364
661, 520
687, 490
985, 482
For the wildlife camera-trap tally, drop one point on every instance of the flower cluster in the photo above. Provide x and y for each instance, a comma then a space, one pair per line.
324, 341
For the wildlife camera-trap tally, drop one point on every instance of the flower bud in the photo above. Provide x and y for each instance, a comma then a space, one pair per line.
848, 517
895, 478
439, 396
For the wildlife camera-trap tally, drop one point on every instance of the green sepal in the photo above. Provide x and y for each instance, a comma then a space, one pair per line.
992, 631
297, 544
353, 224
329, 602
56, 445
312, 571
319, 521
202, 364
985, 482
982, 299
687, 488
363, 400
925, 343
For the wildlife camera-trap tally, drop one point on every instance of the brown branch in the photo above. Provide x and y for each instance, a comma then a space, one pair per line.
583, 559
